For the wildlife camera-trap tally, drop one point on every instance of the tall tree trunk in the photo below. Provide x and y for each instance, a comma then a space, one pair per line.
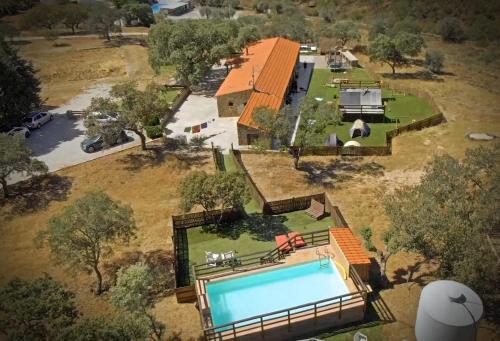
393, 70
99, 279
72, 29
5, 188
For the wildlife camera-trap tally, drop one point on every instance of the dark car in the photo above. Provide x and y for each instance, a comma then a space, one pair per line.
37, 119
91, 144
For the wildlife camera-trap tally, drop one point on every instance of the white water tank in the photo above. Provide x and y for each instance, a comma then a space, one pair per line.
448, 311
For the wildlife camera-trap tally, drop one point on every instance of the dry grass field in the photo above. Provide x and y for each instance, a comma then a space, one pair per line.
67, 70
148, 182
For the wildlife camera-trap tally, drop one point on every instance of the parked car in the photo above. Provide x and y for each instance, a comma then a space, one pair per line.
92, 144
22, 131
104, 118
37, 119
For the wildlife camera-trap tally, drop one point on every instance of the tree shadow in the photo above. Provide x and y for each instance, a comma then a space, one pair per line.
419, 75
124, 41
402, 275
340, 170
261, 227
152, 157
37, 193
193, 158
209, 86
159, 261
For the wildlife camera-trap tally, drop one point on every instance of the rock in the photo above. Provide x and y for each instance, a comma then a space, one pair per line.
481, 136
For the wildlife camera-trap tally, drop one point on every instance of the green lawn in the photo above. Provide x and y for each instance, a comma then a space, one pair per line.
374, 333
170, 95
405, 108
253, 234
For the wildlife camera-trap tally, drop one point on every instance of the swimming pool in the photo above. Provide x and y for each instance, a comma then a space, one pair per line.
246, 296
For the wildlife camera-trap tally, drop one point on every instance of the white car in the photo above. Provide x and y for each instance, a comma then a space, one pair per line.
23, 131
104, 118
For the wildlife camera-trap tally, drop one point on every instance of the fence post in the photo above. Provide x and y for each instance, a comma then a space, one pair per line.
289, 327
340, 310
315, 313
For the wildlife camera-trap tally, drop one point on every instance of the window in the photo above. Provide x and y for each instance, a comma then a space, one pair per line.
230, 104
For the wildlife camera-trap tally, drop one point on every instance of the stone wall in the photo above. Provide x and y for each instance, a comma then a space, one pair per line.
243, 134
232, 105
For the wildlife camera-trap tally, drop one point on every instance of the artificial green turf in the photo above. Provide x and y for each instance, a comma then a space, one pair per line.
404, 109
374, 333
321, 77
253, 234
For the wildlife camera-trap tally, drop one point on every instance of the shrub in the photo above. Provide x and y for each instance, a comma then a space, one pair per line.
451, 30
312, 12
154, 132
484, 29
198, 142
153, 120
434, 61
366, 233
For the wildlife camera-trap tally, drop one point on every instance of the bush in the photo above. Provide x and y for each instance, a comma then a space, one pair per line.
153, 120
312, 12
198, 142
484, 30
451, 30
434, 61
366, 233
154, 132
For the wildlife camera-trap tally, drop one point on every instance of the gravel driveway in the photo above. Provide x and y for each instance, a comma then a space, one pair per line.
57, 143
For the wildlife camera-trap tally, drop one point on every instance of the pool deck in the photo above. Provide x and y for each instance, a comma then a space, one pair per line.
299, 324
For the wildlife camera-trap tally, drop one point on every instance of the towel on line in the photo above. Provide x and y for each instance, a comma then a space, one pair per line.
196, 129
187, 129
204, 125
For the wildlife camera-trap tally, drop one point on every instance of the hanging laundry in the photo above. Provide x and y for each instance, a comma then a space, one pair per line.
187, 129
204, 125
196, 129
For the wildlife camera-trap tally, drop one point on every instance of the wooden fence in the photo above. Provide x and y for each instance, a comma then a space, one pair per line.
292, 204
188, 220
218, 158
254, 190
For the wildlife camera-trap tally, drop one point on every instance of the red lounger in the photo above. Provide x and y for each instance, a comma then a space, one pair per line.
298, 241
282, 238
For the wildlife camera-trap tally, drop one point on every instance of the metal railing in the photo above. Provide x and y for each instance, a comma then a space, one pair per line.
262, 258
308, 310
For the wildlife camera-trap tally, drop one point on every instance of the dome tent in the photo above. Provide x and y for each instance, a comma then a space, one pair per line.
352, 144
359, 128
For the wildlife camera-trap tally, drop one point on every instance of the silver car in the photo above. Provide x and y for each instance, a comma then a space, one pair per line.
37, 119
22, 131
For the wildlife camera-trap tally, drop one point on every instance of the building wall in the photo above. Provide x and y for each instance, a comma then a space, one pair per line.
247, 134
232, 105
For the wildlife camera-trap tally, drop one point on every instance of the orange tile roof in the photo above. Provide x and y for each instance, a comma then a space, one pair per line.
240, 77
350, 246
272, 62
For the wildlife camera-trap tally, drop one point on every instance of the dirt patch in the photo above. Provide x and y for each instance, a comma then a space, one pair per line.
146, 181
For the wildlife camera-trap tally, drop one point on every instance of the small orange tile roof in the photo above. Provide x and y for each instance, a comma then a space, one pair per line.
350, 246
271, 63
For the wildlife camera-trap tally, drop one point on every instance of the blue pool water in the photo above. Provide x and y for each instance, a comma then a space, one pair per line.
246, 296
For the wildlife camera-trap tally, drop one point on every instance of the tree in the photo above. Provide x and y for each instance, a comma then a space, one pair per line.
392, 51
131, 108
451, 217
246, 35
221, 190
408, 25
450, 29
19, 87
141, 12
16, 157
102, 20
132, 294
194, 46
314, 117
291, 25
198, 188
345, 31
434, 61
85, 233
327, 10
276, 125
51, 36
73, 15
123, 327
35, 310
42, 15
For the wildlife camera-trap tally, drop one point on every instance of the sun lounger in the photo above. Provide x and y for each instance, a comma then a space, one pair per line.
282, 238
298, 241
